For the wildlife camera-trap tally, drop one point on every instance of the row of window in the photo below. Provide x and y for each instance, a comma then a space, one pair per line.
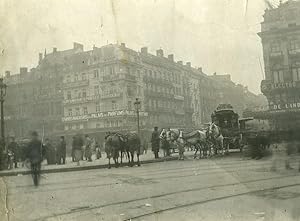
161, 89
293, 45
285, 98
164, 75
278, 75
77, 111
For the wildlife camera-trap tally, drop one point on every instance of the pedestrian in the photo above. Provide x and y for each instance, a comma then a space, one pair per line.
34, 155
180, 146
98, 150
62, 150
77, 145
88, 148
50, 152
155, 142
13, 155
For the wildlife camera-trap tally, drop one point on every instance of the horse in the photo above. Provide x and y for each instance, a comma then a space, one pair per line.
112, 147
197, 139
133, 145
217, 138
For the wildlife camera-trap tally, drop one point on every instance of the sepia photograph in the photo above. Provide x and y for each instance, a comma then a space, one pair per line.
150, 110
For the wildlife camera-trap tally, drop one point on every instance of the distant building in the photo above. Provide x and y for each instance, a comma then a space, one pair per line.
77, 91
280, 34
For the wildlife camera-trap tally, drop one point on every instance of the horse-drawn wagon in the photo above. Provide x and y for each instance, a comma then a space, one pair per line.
228, 122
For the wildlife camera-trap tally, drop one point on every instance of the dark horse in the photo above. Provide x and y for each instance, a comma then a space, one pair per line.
133, 145
112, 148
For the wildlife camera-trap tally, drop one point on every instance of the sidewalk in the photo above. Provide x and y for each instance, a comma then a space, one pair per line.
95, 164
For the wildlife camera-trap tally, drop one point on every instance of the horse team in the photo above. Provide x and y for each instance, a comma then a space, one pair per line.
207, 142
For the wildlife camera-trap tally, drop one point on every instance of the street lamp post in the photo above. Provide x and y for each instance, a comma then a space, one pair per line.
137, 105
3, 87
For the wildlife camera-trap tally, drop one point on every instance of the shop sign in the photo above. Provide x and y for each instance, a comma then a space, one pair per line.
284, 85
285, 106
105, 114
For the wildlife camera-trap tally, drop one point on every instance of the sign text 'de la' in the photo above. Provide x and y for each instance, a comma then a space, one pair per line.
285, 106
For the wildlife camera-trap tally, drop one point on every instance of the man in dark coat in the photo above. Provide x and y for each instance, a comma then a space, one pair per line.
62, 150
14, 149
155, 142
34, 154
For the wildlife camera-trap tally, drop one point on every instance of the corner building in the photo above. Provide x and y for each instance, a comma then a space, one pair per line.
280, 35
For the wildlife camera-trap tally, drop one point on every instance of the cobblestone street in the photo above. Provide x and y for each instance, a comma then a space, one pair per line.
217, 189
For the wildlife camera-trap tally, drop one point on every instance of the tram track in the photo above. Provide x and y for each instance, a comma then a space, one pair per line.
206, 201
71, 212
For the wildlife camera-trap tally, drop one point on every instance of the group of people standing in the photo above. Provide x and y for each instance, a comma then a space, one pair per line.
165, 142
84, 148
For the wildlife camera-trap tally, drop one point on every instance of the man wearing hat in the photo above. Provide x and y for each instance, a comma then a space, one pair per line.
155, 142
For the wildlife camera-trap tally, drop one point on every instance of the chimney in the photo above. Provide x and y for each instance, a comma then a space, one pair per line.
123, 45
171, 57
23, 70
40, 57
179, 62
7, 74
188, 64
159, 53
144, 50
200, 69
54, 50
77, 46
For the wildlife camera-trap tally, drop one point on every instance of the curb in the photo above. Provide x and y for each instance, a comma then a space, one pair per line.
72, 169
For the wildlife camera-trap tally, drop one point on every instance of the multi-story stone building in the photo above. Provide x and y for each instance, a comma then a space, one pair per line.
280, 34
95, 91
34, 98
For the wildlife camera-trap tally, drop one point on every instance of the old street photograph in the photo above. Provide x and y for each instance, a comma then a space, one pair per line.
150, 110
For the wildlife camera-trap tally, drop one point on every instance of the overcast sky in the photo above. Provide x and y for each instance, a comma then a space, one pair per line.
217, 35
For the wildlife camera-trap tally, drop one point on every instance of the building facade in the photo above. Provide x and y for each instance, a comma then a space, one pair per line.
77, 91
280, 35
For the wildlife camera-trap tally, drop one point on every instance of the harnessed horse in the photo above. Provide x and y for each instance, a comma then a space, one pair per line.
217, 138
197, 139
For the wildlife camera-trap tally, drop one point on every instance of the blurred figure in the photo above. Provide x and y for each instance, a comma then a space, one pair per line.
155, 142
77, 147
62, 150
34, 155
88, 148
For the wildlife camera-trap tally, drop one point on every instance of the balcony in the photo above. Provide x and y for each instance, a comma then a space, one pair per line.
276, 54
120, 76
114, 95
294, 52
178, 97
72, 84
80, 100
75, 118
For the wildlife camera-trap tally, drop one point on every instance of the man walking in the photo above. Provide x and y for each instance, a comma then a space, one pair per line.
155, 142
34, 154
